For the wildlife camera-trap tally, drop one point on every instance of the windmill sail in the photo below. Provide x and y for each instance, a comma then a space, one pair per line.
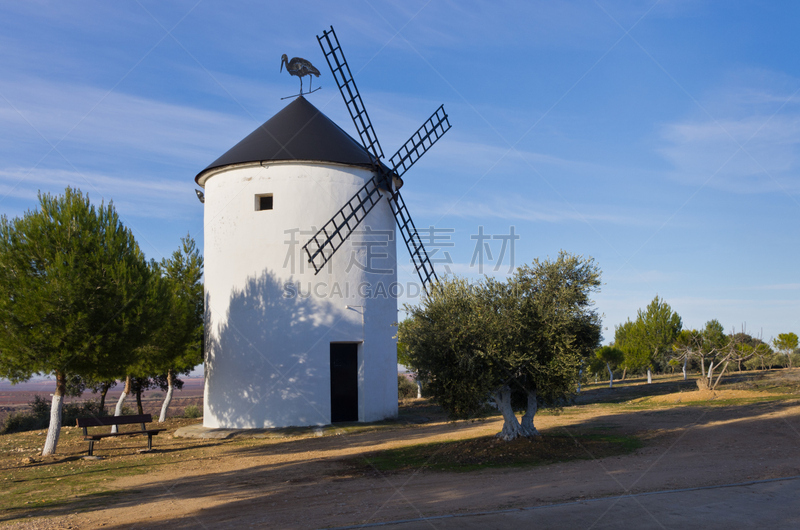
416, 249
347, 87
321, 247
422, 140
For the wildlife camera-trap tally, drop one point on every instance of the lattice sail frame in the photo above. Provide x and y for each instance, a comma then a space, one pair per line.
322, 245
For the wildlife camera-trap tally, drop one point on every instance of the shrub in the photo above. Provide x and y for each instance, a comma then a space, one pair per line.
38, 417
191, 411
795, 359
406, 389
73, 411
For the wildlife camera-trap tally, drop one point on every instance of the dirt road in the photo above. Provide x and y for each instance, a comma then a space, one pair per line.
303, 483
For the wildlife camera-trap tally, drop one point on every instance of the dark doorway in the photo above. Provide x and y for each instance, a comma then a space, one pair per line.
344, 382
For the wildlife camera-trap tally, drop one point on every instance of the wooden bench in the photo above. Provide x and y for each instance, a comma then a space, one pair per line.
102, 421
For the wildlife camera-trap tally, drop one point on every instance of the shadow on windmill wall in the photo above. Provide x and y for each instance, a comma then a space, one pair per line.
268, 357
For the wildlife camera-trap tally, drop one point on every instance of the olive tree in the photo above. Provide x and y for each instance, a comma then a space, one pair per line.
711, 346
75, 291
519, 342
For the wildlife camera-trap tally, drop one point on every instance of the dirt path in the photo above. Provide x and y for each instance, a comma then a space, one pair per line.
302, 483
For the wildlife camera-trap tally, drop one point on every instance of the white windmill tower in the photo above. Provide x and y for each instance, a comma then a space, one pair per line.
299, 318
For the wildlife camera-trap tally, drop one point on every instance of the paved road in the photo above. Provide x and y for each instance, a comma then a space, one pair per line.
773, 504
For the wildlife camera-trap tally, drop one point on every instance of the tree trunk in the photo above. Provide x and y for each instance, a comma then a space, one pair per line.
580, 376
56, 409
139, 401
610, 376
511, 427
685, 361
720, 375
649, 377
527, 427
624, 371
170, 387
710, 373
419, 389
103, 393
125, 392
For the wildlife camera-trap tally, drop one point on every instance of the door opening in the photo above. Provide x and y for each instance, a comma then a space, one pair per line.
344, 382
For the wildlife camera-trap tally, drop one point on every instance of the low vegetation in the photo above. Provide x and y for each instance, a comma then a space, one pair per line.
491, 452
29, 480
405, 388
38, 415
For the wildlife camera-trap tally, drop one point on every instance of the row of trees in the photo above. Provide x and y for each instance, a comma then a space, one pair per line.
79, 301
519, 342
657, 341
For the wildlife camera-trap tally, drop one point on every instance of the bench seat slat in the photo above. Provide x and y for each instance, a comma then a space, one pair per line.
151, 432
100, 421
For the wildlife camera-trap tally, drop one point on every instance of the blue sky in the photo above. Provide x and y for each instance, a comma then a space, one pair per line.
660, 138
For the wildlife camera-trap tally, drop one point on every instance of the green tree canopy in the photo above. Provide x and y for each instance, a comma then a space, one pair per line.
179, 344
647, 342
74, 291
786, 343
607, 357
522, 339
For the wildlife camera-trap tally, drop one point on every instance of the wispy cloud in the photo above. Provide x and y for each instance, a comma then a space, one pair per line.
120, 125
140, 197
518, 209
752, 146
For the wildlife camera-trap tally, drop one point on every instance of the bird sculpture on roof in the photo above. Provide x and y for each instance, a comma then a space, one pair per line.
300, 68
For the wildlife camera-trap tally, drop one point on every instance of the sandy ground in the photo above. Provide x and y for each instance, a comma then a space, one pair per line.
302, 483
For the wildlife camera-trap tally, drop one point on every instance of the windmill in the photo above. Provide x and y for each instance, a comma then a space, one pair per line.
322, 245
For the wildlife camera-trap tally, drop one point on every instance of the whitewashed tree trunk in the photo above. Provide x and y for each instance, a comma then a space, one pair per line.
720, 375
527, 428
580, 376
125, 392
511, 428
710, 372
649, 376
56, 409
168, 399
419, 389
685, 360
610, 376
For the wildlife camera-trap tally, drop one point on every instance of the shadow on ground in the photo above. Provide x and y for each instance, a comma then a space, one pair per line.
268, 493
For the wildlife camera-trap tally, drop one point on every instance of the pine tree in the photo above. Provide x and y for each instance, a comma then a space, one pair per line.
74, 292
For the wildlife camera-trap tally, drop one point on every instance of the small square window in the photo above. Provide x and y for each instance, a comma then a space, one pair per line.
264, 202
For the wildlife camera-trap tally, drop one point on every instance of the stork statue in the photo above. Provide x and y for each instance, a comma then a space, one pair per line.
300, 68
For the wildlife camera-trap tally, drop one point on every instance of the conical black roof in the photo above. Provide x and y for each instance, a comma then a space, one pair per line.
298, 132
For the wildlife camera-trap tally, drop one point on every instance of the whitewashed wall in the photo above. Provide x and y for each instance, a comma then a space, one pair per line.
267, 360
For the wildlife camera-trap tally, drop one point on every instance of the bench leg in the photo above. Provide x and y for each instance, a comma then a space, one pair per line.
91, 447
149, 442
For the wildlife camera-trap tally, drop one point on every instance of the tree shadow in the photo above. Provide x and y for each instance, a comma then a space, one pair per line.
267, 360
628, 392
258, 492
